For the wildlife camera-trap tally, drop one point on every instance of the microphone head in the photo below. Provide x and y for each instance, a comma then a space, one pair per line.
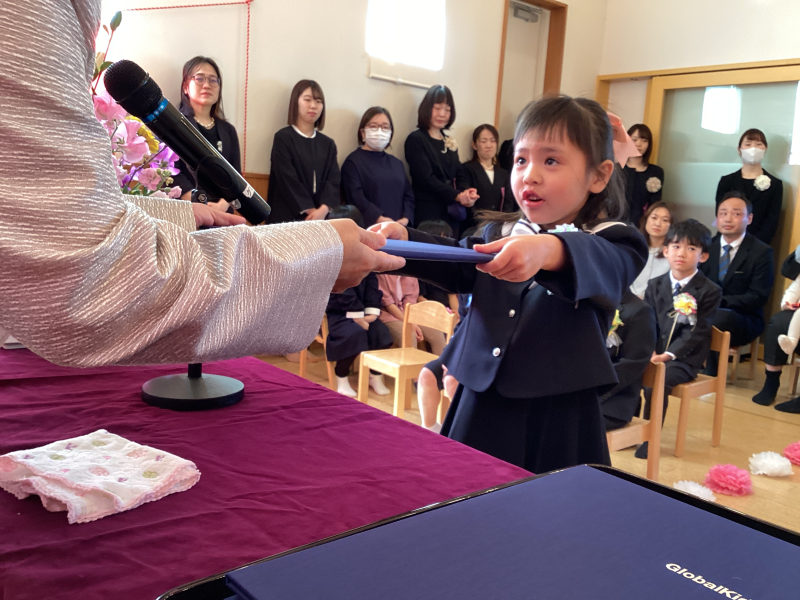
132, 88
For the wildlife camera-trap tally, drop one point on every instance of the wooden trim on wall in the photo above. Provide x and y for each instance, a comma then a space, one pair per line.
554, 61
704, 69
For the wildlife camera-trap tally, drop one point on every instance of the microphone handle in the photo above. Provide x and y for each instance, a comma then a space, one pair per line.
215, 175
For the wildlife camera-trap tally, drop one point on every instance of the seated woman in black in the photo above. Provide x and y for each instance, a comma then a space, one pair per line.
373, 180
762, 189
643, 181
433, 162
304, 175
201, 103
491, 181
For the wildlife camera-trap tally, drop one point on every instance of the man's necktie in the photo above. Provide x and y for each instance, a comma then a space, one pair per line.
724, 262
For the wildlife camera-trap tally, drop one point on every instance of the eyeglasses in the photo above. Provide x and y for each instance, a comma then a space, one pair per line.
376, 127
201, 80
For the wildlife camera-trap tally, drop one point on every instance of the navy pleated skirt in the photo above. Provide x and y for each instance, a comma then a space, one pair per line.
537, 434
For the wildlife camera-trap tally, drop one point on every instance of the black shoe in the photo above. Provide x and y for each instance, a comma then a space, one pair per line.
792, 406
641, 451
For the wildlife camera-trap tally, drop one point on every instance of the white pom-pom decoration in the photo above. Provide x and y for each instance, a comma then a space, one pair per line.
771, 464
695, 489
653, 185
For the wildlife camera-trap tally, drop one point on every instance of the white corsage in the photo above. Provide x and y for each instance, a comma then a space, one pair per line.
771, 464
564, 228
653, 185
762, 183
695, 489
450, 144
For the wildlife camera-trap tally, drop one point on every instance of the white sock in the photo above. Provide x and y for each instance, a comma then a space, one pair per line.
376, 383
343, 387
786, 343
435, 428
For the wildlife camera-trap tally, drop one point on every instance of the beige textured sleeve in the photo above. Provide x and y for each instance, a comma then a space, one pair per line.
87, 277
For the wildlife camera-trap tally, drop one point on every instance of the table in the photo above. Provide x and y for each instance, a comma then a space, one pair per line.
292, 463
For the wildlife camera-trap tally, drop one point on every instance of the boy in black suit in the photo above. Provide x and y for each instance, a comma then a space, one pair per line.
741, 265
685, 351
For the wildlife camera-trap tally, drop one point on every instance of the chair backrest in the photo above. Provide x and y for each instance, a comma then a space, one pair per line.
654, 376
721, 342
427, 314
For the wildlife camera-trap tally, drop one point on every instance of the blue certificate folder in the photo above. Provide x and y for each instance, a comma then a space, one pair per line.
420, 251
577, 533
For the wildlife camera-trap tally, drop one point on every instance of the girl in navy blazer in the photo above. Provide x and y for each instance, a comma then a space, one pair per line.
531, 354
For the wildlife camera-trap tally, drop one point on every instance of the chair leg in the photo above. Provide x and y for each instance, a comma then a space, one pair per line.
400, 386
332, 375
795, 371
683, 421
732, 375
363, 382
303, 361
719, 406
753, 358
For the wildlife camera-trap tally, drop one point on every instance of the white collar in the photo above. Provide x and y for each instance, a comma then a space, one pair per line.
734, 244
310, 137
683, 281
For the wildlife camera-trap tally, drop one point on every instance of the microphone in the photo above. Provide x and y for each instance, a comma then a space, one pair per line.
132, 88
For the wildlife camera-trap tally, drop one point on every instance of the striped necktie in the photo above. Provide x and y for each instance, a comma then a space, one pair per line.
677, 290
724, 262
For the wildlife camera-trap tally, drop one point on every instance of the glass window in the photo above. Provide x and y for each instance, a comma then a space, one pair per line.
409, 32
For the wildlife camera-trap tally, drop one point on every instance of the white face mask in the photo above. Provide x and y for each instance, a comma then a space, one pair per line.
753, 156
377, 140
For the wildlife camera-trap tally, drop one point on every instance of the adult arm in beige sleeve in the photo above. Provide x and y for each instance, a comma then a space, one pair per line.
88, 277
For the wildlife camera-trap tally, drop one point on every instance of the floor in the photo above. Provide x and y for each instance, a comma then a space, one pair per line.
748, 429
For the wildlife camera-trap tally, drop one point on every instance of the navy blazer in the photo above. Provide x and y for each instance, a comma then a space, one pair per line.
748, 283
550, 339
690, 345
631, 357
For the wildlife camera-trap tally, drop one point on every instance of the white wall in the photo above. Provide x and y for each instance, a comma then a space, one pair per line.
324, 40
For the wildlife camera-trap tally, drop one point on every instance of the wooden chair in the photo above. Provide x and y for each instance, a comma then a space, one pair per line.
795, 370
405, 364
736, 353
307, 357
705, 384
639, 430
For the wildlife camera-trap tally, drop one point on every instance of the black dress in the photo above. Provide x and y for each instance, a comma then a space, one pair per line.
433, 176
766, 203
376, 183
636, 193
494, 195
303, 175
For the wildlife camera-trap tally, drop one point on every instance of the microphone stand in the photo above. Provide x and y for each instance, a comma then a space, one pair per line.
193, 391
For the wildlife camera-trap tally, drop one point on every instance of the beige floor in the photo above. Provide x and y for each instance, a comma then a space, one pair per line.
748, 429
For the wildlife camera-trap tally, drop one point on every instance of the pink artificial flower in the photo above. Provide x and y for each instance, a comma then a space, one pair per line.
792, 452
150, 179
125, 139
175, 192
729, 480
121, 173
159, 194
107, 109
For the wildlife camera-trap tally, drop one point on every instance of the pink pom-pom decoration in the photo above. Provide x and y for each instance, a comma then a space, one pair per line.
729, 480
792, 452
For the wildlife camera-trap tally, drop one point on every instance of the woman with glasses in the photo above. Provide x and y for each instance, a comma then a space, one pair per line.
304, 176
201, 103
374, 181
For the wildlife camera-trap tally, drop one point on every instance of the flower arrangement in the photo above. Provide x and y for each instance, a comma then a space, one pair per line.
144, 166
762, 182
685, 311
653, 185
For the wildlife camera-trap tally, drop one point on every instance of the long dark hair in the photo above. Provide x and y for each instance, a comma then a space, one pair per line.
585, 124
188, 71
643, 224
477, 133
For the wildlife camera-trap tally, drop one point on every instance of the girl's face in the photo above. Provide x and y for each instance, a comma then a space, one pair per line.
309, 107
658, 223
440, 115
640, 142
203, 86
550, 181
486, 146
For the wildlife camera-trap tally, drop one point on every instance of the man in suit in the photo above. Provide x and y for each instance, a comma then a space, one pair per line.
630, 351
682, 342
742, 266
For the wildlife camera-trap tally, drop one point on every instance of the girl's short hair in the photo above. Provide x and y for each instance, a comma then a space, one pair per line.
189, 70
644, 132
755, 135
643, 224
300, 87
477, 133
371, 112
437, 94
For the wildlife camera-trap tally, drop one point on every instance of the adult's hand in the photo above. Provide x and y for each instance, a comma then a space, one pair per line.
468, 197
360, 256
220, 205
317, 214
391, 231
205, 216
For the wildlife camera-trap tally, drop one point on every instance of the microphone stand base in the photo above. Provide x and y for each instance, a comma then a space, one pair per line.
193, 391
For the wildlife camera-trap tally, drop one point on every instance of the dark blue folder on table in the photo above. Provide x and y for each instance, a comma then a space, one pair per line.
578, 533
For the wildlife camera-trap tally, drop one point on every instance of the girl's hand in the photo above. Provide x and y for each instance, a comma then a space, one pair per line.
362, 323
417, 332
521, 257
370, 318
391, 231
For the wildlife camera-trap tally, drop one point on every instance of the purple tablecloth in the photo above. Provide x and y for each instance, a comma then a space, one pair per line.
290, 464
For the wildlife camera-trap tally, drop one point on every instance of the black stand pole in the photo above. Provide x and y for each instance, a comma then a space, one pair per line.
193, 391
